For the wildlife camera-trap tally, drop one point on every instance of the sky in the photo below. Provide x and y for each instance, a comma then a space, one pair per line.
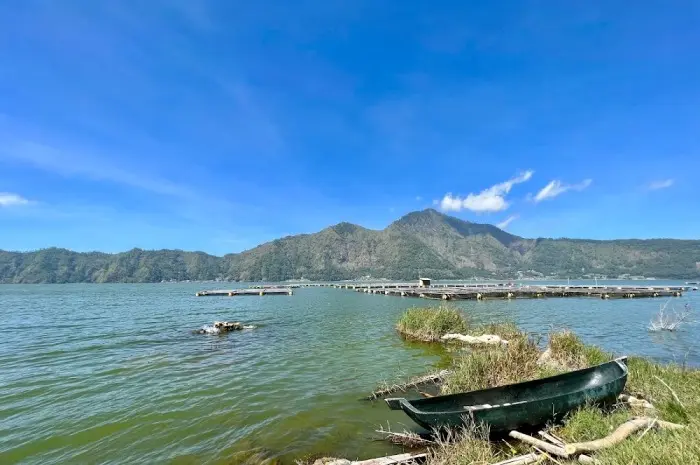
218, 125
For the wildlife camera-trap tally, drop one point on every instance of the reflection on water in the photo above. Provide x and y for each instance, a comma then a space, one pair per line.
97, 373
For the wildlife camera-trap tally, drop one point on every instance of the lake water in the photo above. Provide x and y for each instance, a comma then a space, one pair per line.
113, 373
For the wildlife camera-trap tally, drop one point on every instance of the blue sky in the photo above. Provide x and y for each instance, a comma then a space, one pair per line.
218, 125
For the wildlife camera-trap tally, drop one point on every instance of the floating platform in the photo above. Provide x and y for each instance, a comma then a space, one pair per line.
276, 286
500, 291
241, 292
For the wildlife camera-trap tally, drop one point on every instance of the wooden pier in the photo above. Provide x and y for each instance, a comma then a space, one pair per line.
242, 292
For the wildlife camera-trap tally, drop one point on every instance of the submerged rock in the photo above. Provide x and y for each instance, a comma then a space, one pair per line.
228, 326
223, 327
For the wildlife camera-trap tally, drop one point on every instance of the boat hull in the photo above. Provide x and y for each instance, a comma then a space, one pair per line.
521, 405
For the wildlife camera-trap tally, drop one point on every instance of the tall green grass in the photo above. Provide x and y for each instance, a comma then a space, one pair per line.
568, 350
429, 324
494, 366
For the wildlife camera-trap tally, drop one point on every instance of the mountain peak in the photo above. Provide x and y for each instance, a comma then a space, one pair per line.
428, 221
346, 228
427, 215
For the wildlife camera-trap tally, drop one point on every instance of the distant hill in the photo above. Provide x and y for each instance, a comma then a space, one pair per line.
427, 242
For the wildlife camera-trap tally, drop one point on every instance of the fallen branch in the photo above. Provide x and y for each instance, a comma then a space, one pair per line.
431, 378
406, 438
619, 435
675, 396
670, 321
483, 339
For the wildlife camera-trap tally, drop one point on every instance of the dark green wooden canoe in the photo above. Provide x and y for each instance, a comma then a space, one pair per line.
528, 404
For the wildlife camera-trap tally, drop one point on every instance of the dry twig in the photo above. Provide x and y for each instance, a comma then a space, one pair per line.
389, 389
675, 396
407, 438
670, 321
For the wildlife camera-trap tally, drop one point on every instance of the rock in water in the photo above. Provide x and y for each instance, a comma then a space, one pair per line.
223, 327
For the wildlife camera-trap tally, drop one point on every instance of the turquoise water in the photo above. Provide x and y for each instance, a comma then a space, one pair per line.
113, 373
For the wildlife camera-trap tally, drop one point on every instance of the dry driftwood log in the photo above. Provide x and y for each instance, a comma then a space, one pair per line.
548, 448
483, 339
635, 401
586, 459
521, 459
431, 378
619, 435
545, 446
554, 440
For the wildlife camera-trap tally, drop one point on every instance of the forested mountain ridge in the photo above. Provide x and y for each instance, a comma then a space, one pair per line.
426, 242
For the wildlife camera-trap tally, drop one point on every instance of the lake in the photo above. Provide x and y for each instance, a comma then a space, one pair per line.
112, 373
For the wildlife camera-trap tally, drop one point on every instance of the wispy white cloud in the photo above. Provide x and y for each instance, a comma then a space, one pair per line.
556, 188
492, 199
8, 199
661, 184
418, 198
74, 163
504, 224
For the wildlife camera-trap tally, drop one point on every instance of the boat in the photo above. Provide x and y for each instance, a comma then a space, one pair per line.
691, 283
521, 405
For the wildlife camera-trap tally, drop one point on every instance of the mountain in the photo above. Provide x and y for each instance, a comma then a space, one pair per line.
427, 242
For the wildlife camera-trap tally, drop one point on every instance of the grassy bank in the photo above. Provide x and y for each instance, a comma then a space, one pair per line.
673, 390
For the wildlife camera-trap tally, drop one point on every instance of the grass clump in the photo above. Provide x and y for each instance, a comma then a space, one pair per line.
589, 423
567, 350
429, 324
494, 366
507, 330
465, 447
